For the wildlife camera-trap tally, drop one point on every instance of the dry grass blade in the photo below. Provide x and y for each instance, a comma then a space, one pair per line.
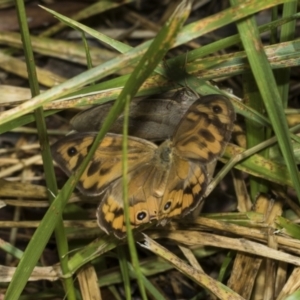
197, 275
248, 235
88, 282
191, 238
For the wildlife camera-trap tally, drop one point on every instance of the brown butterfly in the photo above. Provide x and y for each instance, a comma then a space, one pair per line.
153, 118
164, 181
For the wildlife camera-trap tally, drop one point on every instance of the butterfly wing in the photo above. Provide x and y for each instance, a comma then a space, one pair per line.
205, 129
106, 164
200, 137
186, 185
146, 185
152, 118
163, 182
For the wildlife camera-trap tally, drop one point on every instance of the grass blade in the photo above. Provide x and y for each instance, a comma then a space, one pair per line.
268, 88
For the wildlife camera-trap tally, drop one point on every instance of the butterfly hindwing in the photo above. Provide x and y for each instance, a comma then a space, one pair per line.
186, 185
146, 186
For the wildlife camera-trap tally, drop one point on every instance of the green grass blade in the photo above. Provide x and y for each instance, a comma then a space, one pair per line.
157, 50
287, 227
92, 10
124, 271
287, 34
62, 244
268, 88
44, 231
190, 32
150, 287
119, 46
23, 120
226, 42
294, 296
255, 134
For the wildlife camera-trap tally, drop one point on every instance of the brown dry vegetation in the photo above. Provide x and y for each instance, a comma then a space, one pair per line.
246, 237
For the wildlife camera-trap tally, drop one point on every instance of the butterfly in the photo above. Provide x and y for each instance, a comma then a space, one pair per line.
164, 181
153, 118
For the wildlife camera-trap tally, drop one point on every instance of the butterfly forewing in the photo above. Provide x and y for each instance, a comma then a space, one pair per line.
151, 118
205, 129
106, 164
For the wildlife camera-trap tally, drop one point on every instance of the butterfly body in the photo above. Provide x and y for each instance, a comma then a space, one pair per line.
164, 181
